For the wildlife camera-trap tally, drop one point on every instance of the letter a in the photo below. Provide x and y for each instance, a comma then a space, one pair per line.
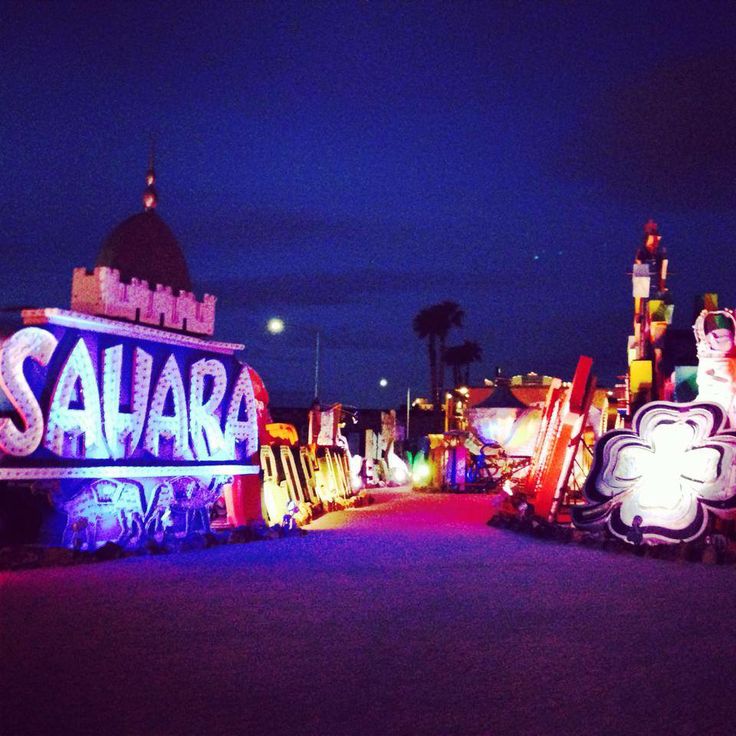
237, 430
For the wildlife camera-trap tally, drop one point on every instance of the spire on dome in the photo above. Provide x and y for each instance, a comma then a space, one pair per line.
150, 197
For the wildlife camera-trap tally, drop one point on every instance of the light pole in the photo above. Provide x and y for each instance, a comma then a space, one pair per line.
383, 382
316, 367
408, 412
276, 326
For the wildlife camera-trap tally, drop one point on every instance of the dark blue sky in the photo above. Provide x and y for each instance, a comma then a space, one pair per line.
344, 165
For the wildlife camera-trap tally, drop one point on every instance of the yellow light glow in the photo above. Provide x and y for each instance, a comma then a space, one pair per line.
421, 472
275, 325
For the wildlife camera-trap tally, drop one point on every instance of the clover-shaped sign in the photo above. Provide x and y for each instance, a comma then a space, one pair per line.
660, 480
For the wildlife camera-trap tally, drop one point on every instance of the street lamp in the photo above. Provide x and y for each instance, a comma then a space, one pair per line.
408, 411
316, 366
383, 382
276, 326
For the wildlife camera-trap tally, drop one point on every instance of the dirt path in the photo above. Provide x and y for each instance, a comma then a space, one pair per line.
407, 617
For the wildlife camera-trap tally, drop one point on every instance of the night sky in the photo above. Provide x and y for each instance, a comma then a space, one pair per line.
344, 165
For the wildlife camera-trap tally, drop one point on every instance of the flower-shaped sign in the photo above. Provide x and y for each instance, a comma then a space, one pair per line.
660, 480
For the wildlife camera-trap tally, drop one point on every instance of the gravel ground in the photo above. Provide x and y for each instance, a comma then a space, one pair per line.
410, 616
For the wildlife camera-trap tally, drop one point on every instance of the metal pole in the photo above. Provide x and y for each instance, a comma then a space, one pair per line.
408, 412
316, 367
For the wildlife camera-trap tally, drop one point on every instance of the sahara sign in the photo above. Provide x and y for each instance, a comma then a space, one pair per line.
118, 396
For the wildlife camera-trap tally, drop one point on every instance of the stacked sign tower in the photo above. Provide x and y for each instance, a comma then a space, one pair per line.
653, 310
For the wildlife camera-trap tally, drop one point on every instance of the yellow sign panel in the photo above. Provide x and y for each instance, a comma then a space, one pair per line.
283, 431
640, 376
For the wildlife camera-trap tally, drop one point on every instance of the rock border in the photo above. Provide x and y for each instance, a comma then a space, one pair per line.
714, 549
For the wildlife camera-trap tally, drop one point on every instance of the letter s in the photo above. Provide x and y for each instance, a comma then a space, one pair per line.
30, 342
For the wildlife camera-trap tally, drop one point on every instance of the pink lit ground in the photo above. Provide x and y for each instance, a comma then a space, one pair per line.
408, 617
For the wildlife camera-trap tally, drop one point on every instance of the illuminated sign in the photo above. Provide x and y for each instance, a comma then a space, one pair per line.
661, 480
716, 377
99, 402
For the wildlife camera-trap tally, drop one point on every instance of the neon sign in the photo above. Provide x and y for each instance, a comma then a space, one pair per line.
662, 480
90, 397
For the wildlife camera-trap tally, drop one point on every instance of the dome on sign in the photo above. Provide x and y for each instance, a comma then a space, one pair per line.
144, 247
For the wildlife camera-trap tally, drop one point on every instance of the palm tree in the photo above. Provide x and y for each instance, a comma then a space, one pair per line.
433, 323
472, 354
448, 315
455, 358
425, 325
461, 356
